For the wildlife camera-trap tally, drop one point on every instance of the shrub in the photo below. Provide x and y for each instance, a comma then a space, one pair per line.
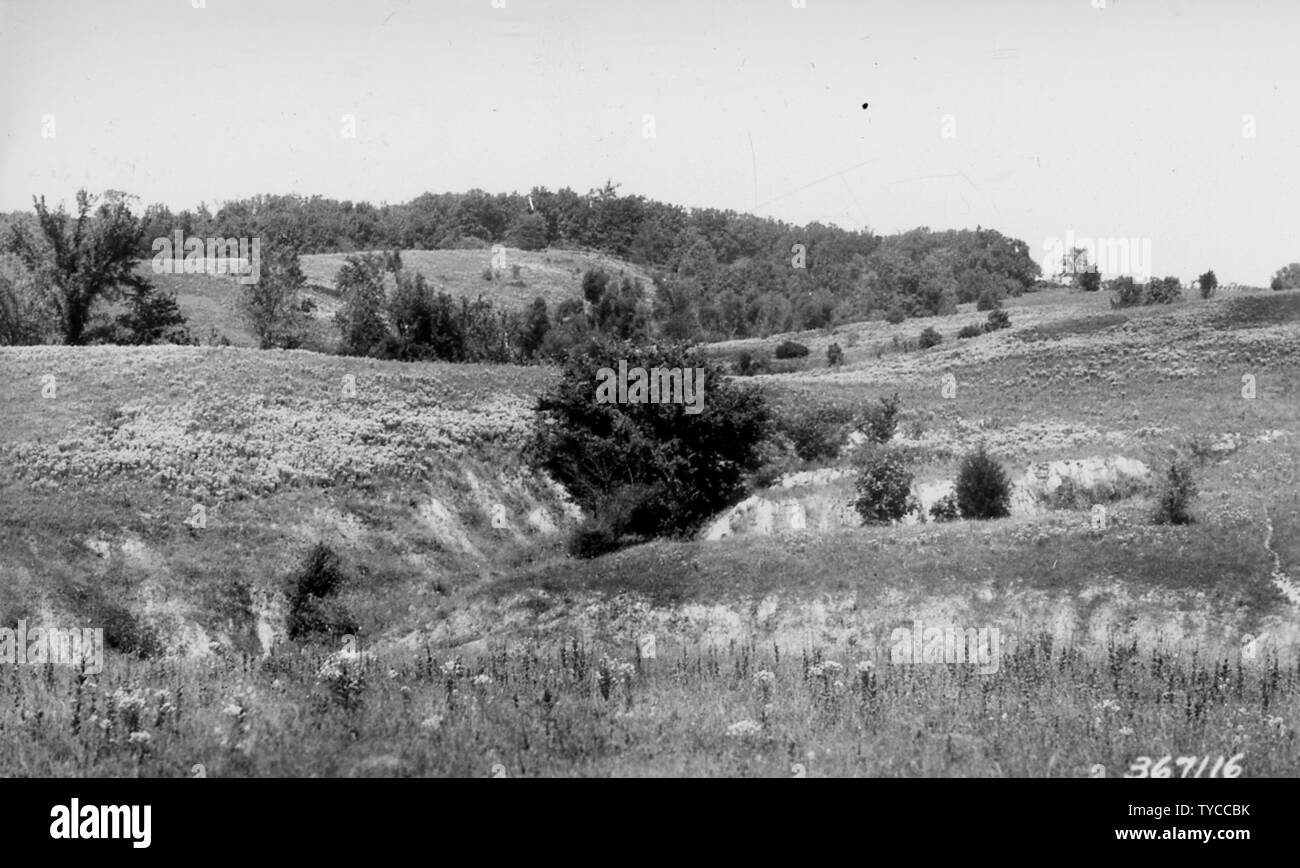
689, 465
749, 364
816, 432
360, 319
790, 350
884, 487
970, 331
1287, 277
998, 319
895, 315
593, 538
1125, 293
983, 490
1165, 290
1176, 494
1208, 283
313, 611
879, 421
990, 299
487, 272
945, 508
834, 356
930, 338
272, 306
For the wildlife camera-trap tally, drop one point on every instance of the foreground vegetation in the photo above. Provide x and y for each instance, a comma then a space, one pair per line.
1048, 712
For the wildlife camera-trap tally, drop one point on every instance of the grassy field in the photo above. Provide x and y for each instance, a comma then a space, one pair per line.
453, 551
739, 711
209, 302
555, 275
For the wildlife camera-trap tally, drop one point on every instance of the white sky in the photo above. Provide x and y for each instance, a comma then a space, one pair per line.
1124, 121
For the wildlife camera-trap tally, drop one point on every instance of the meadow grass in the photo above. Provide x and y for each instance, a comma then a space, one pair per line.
567, 711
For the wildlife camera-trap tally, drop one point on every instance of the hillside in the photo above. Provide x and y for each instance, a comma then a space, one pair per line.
555, 275
210, 301
454, 550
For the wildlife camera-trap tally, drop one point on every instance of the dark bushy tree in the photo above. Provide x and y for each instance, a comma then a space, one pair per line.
152, 317
930, 338
790, 350
884, 486
360, 319
983, 490
1287, 277
1165, 290
272, 305
998, 319
681, 467
1208, 283
1176, 494
314, 610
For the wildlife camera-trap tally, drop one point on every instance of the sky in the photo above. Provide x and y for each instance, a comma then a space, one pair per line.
1173, 122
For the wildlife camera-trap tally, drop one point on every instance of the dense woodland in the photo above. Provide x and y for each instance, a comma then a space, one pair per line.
717, 274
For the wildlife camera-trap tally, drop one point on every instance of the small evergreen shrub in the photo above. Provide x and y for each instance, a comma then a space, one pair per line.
970, 331
1176, 494
930, 338
313, 611
983, 490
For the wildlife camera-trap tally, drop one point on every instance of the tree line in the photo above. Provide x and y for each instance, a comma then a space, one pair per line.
717, 274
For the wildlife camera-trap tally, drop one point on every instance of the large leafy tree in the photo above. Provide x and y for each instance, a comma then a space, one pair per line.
272, 305
679, 468
1287, 277
361, 318
79, 261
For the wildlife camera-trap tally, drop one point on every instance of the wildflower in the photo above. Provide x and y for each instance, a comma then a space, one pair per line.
432, 722
764, 677
1125, 730
1276, 723
743, 728
232, 710
837, 686
392, 673
482, 679
865, 666
450, 668
140, 738
1107, 705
